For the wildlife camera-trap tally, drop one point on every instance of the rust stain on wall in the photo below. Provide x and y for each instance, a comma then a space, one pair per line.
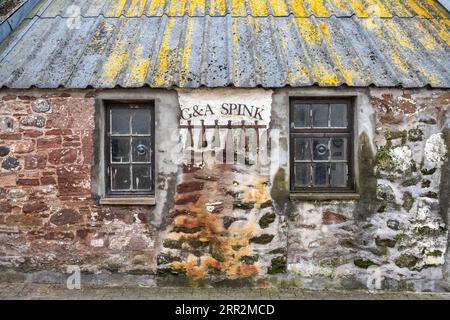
205, 236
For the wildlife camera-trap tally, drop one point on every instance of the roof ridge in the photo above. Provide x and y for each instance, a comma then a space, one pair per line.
291, 15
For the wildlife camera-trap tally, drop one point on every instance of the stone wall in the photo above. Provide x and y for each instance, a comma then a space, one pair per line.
47, 217
215, 225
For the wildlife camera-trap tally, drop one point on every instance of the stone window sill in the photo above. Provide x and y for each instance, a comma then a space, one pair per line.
138, 201
305, 196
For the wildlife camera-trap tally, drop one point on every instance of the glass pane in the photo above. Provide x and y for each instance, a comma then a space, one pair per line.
120, 149
141, 121
321, 174
338, 115
338, 149
302, 149
338, 175
120, 178
141, 150
320, 115
321, 149
301, 116
142, 177
302, 174
120, 121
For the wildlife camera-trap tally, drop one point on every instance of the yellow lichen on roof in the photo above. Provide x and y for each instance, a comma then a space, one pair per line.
217, 7
277, 8
166, 57
136, 8
377, 9
196, 7
176, 8
308, 30
245, 43
318, 8
418, 9
139, 67
185, 58
258, 8
116, 9
156, 8
348, 74
115, 61
359, 8
238, 8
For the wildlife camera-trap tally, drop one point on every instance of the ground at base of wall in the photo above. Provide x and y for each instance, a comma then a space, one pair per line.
22, 291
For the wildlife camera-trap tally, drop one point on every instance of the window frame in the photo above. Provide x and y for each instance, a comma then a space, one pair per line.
110, 104
325, 132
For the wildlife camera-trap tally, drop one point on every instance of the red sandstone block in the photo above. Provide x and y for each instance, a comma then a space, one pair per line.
48, 173
74, 180
59, 236
65, 217
34, 207
32, 133
71, 138
62, 156
10, 136
188, 199
27, 98
190, 186
35, 161
9, 97
28, 182
5, 207
73, 144
333, 218
83, 233
46, 181
30, 220
49, 142
58, 132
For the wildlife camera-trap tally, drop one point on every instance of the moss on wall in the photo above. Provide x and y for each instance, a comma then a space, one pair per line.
367, 181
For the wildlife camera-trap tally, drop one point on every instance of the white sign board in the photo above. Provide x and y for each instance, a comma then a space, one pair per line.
225, 104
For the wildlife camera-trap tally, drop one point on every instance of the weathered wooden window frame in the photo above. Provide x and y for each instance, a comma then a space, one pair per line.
111, 195
325, 132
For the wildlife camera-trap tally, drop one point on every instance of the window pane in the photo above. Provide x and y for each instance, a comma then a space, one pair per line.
321, 149
142, 177
120, 121
302, 174
338, 149
321, 174
120, 149
141, 150
302, 149
320, 115
301, 116
120, 178
338, 175
338, 115
141, 121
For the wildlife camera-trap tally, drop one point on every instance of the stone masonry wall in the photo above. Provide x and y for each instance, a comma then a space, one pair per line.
47, 217
396, 235
226, 223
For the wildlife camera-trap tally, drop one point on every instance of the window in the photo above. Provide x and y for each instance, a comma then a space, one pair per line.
321, 145
129, 149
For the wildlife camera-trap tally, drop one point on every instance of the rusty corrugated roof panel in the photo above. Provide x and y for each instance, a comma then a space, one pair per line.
269, 43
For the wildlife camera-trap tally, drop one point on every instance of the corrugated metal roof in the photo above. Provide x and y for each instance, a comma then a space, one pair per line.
255, 8
238, 43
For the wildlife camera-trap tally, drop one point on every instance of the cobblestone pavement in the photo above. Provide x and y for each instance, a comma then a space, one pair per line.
11, 291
